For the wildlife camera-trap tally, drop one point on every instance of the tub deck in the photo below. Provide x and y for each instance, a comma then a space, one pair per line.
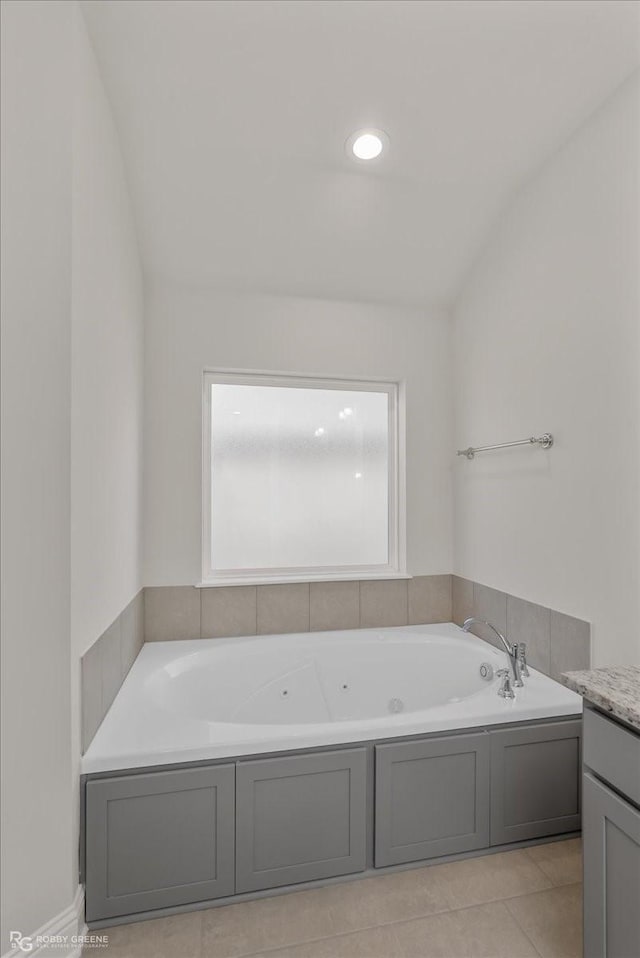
203, 700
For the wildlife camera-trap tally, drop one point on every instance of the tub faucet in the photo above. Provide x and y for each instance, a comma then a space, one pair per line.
516, 657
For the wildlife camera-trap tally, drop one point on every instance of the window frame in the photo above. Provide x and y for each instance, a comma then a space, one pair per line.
395, 567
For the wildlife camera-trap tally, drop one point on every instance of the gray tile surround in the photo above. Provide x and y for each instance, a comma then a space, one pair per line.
530, 623
228, 612
461, 599
171, 612
105, 664
91, 694
429, 599
384, 603
570, 645
132, 637
334, 605
556, 642
489, 604
283, 608
184, 612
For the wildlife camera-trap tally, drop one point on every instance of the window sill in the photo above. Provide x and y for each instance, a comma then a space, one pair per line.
285, 580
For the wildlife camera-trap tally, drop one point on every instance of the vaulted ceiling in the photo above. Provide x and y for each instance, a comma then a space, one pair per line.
233, 117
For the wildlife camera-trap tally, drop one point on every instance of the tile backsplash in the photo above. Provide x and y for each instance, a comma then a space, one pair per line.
185, 612
556, 642
106, 663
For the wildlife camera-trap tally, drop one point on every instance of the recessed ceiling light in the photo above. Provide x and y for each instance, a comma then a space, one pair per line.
367, 144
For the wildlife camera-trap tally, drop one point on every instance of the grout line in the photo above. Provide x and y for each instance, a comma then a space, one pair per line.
531, 895
386, 924
446, 910
403, 921
554, 884
406, 600
256, 588
525, 933
542, 891
542, 874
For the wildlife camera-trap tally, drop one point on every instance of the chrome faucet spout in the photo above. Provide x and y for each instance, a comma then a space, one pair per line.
511, 648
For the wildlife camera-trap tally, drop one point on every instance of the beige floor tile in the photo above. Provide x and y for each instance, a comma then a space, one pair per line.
372, 943
160, 938
485, 931
339, 920
552, 920
385, 898
489, 878
560, 861
253, 926
245, 928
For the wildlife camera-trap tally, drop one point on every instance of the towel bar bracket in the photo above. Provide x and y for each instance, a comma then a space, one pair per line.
545, 441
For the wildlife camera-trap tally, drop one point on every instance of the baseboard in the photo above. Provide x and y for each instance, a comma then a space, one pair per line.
61, 936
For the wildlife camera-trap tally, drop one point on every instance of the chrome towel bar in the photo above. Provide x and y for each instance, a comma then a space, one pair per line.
545, 442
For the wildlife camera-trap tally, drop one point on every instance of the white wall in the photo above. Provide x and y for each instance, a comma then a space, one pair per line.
72, 403
546, 337
107, 366
189, 330
107, 327
39, 852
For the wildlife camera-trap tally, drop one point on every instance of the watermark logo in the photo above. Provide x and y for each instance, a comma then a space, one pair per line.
27, 943
20, 941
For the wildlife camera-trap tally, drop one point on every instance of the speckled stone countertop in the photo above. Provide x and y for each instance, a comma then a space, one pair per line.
615, 690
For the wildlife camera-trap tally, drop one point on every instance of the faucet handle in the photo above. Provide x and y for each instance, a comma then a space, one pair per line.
506, 690
522, 659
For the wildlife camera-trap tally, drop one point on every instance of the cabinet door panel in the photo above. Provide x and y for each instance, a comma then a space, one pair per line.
535, 781
432, 798
611, 874
159, 839
300, 818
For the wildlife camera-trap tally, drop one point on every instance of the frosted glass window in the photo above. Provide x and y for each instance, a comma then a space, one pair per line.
301, 477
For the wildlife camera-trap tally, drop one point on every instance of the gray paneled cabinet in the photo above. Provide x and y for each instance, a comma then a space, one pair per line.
173, 837
440, 796
611, 839
432, 798
159, 839
535, 781
300, 818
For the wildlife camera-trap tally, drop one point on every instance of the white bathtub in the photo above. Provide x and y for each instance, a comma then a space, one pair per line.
212, 698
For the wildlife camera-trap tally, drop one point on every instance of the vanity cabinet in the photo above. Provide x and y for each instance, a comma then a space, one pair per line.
432, 798
159, 839
535, 781
300, 818
611, 838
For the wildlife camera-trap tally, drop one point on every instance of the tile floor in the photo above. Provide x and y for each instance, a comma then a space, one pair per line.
526, 903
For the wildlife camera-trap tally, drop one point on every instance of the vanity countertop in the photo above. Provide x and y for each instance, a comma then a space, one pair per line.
615, 690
